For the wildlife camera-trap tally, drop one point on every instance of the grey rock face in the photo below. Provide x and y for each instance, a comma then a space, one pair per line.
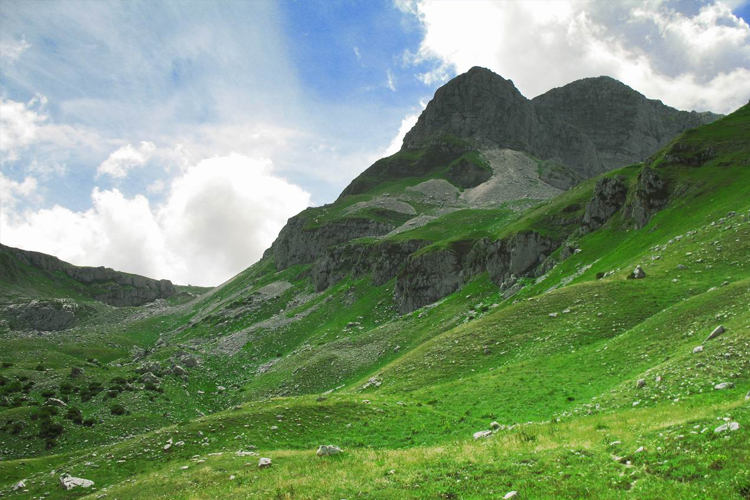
297, 244
117, 288
431, 276
590, 126
624, 125
465, 174
427, 278
650, 196
488, 109
383, 260
48, 315
609, 197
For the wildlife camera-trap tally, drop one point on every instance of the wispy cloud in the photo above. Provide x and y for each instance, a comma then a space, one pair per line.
11, 50
391, 80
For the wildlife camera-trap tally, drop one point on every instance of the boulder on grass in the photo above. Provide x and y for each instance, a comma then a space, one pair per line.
68, 482
328, 450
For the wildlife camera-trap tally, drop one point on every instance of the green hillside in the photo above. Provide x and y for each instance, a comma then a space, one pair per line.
601, 386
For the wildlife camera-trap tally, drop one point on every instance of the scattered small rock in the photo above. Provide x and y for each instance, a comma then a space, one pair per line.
698, 349
482, 434
717, 331
264, 462
724, 385
19, 485
510, 494
731, 427
641, 383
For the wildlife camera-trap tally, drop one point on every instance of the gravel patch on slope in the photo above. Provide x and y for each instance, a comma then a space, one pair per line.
385, 202
515, 177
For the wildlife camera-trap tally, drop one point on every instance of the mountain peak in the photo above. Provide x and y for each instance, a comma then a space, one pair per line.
590, 125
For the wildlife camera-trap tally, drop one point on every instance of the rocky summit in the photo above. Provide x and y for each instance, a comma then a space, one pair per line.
542, 298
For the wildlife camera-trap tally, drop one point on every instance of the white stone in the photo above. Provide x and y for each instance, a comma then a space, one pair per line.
264, 462
482, 434
328, 450
69, 482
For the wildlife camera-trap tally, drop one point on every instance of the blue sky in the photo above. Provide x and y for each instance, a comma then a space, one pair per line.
188, 116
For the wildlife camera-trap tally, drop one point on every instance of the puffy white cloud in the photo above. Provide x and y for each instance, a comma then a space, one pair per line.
19, 125
218, 218
697, 60
124, 159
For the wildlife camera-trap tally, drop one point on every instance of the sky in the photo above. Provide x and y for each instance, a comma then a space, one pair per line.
174, 139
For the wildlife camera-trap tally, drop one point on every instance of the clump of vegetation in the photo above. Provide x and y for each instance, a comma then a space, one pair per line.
118, 409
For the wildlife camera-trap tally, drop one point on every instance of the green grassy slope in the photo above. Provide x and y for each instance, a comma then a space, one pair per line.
283, 368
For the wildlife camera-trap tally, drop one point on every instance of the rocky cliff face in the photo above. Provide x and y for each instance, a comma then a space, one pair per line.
383, 260
577, 131
649, 197
431, 276
299, 244
488, 109
609, 197
49, 315
107, 285
624, 126
590, 126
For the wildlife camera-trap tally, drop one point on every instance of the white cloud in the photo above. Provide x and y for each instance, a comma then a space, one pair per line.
46, 169
406, 124
156, 187
691, 61
218, 218
356, 53
11, 50
391, 80
11, 191
125, 159
19, 125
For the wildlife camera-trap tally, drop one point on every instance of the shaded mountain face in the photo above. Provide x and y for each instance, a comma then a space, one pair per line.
624, 126
488, 110
590, 126
21, 269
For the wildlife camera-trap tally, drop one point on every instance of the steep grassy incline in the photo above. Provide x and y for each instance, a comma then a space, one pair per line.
579, 365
